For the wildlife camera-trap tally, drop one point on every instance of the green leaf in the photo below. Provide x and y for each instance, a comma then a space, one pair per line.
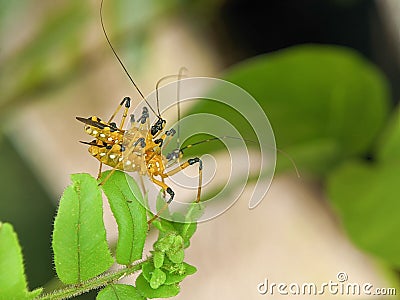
179, 276
147, 270
177, 244
313, 95
35, 293
175, 253
186, 228
176, 256
186, 231
173, 268
126, 201
389, 147
158, 259
79, 238
163, 225
164, 291
195, 211
367, 200
165, 243
119, 292
12, 277
189, 269
175, 273
157, 278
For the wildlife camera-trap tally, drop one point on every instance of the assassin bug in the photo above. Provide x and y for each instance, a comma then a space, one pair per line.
139, 148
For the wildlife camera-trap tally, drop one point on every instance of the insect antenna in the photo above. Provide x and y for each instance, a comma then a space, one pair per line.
157, 88
245, 140
178, 92
121, 63
179, 76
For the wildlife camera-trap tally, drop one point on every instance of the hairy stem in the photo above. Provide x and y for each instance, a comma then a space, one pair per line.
91, 284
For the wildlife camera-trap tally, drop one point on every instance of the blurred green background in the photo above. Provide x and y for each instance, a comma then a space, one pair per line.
325, 72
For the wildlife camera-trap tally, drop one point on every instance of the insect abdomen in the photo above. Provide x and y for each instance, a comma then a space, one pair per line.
113, 157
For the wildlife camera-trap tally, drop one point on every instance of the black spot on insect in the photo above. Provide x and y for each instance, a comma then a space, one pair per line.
170, 132
113, 127
158, 126
159, 141
141, 141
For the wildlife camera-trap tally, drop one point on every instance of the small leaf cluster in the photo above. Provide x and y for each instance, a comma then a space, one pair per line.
82, 256
161, 276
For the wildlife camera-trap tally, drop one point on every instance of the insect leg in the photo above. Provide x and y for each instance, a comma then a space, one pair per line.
166, 188
142, 183
186, 164
99, 172
125, 102
163, 181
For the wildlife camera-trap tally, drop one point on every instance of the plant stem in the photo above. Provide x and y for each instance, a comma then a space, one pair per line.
91, 284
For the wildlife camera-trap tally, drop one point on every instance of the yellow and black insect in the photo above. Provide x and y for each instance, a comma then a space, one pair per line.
138, 148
